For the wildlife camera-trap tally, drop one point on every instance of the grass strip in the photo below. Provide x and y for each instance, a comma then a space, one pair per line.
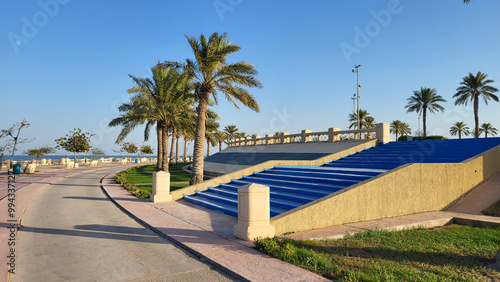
455, 253
130, 178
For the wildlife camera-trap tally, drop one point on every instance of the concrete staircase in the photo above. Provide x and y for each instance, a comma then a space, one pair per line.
291, 187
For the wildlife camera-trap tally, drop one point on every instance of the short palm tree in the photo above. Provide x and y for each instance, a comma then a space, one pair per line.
212, 75
472, 88
424, 100
231, 132
459, 128
400, 128
487, 128
365, 120
220, 136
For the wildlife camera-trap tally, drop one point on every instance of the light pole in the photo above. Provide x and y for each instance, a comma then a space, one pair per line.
354, 103
356, 70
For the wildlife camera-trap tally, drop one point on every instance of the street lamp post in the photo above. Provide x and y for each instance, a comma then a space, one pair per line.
354, 103
356, 70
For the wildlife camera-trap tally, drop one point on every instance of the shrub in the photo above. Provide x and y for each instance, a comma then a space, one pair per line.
432, 137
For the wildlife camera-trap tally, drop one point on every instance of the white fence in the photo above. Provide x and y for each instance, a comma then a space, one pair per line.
380, 132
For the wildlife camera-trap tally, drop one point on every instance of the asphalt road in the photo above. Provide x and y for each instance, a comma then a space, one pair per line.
72, 231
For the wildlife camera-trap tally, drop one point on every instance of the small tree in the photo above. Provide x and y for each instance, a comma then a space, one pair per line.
76, 142
129, 147
487, 128
39, 152
459, 128
13, 132
145, 150
94, 152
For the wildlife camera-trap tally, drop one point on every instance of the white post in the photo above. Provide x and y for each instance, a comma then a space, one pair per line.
283, 137
383, 131
253, 213
332, 137
161, 187
269, 139
304, 136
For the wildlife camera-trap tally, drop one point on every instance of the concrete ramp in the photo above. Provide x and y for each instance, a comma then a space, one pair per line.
236, 158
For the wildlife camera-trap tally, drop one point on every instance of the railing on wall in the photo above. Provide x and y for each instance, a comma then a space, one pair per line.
380, 132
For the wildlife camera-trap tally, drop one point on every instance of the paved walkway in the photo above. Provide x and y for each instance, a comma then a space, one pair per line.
208, 234
71, 231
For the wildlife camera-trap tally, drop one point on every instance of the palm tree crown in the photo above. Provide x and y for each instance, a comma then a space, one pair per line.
459, 128
213, 75
487, 128
424, 100
231, 131
472, 88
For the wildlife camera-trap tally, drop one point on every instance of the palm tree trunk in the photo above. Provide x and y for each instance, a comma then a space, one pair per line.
172, 146
220, 146
208, 148
459, 134
199, 139
424, 117
159, 137
165, 148
176, 148
396, 136
476, 115
185, 148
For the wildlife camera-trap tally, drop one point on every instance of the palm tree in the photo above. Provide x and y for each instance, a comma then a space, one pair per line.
365, 120
158, 101
220, 137
472, 88
487, 128
231, 132
213, 75
425, 100
459, 128
211, 125
400, 128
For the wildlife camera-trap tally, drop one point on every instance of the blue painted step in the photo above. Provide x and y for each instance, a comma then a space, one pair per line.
293, 186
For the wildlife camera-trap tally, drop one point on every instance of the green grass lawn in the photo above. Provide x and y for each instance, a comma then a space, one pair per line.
455, 253
493, 210
138, 180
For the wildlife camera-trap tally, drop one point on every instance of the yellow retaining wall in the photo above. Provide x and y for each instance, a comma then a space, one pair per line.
408, 189
177, 194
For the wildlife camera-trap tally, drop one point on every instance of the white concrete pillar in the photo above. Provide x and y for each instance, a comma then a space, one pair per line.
253, 213
304, 136
284, 138
269, 139
383, 131
161, 187
332, 137
31, 168
43, 162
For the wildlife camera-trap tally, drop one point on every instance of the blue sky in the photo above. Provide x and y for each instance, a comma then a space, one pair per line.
65, 64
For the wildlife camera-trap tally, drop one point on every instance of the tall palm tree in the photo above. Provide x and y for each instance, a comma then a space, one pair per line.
213, 75
459, 128
487, 128
158, 101
424, 100
400, 128
472, 88
231, 132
